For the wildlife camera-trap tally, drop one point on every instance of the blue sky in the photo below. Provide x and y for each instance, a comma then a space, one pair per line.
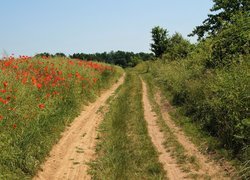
32, 26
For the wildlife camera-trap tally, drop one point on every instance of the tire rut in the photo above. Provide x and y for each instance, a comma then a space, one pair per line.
170, 165
207, 166
68, 158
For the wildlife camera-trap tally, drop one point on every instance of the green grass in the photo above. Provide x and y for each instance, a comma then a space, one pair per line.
25, 145
171, 143
125, 150
202, 139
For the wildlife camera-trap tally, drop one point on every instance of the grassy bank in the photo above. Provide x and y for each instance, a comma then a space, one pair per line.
125, 150
211, 105
39, 97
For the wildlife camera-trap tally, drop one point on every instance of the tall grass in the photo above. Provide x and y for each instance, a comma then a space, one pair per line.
39, 97
215, 99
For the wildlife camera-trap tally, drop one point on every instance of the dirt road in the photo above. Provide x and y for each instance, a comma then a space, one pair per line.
76, 147
208, 168
157, 137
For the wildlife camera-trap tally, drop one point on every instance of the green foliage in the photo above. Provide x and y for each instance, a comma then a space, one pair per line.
60, 55
125, 150
231, 43
215, 22
178, 47
121, 58
160, 41
216, 99
44, 54
134, 61
34, 116
211, 82
229, 29
220, 102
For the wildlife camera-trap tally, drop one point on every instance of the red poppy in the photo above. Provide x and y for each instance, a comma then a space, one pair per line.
41, 106
3, 91
39, 86
5, 84
4, 101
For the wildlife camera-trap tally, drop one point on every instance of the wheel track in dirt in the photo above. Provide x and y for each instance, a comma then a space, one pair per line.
68, 158
170, 165
207, 165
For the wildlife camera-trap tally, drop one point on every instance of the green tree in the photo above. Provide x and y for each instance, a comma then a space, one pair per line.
45, 54
232, 43
215, 22
160, 41
179, 47
60, 55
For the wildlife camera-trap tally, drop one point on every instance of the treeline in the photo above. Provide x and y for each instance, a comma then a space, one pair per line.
121, 58
210, 81
45, 54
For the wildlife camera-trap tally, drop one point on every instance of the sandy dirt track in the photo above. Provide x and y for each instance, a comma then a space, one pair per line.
207, 166
157, 137
68, 158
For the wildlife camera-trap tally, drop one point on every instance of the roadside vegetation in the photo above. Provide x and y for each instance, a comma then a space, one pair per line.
125, 150
187, 163
120, 58
207, 85
39, 97
209, 82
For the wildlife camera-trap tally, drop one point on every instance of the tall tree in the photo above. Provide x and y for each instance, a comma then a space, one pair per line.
160, 41
216, 21
231, 43
179, 47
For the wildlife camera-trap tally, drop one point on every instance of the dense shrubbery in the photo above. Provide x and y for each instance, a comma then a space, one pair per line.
178, 48
211, 79
171, 47
231, 42
218, 99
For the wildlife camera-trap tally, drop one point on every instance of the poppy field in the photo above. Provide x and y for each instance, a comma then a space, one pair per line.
38, 98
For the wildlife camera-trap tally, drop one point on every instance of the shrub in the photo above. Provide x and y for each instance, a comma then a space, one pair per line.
217, 99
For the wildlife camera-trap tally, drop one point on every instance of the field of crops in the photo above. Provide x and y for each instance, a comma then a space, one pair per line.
38, 98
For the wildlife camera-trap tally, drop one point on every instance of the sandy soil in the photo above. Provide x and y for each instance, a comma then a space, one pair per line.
169, 164
207, 166
68, 158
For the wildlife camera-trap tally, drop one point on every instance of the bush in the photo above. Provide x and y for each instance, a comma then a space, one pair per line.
217, 99
231, 43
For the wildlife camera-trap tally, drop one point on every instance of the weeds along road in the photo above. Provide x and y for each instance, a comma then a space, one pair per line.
194, 164
134, 138
137, 141
68, 158
157, 136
